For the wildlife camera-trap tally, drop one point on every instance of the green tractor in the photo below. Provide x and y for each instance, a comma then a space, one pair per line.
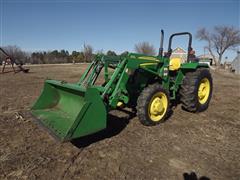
147, 84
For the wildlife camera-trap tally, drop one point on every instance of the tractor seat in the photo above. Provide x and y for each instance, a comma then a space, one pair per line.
174, 64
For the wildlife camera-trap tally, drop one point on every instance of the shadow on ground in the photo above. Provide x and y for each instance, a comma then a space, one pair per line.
114, 126
193, 176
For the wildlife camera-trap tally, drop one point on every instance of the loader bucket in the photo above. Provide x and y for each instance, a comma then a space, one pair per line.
70, 111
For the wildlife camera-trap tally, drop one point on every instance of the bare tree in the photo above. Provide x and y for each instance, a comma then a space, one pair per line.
100, 51
219, 40
18, 55
87, 52
145, 48
111, 53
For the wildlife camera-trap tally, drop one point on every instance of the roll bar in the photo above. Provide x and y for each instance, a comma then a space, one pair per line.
189, 43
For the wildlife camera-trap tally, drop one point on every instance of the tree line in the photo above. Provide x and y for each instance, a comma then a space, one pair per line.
51, 57
218, 40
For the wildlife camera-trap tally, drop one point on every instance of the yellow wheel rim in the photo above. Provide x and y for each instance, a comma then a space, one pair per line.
203, 90
158, 106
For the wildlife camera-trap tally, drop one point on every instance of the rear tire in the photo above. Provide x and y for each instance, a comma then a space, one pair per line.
153, 105
196, 90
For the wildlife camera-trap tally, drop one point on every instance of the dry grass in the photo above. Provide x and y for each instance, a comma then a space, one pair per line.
206, 143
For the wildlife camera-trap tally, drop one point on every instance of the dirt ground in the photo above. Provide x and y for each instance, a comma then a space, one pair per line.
207, 143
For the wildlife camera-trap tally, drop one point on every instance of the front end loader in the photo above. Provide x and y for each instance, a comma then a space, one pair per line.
146, 83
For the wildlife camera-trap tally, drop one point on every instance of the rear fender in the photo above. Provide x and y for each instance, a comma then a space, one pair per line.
193, 66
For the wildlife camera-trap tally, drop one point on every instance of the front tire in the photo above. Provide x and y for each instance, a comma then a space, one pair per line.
153, 105
196, 90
